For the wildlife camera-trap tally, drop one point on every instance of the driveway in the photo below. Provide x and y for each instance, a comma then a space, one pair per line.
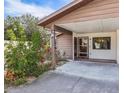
75, 77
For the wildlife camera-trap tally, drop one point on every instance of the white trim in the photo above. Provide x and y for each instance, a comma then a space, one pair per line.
118, 46
73, 45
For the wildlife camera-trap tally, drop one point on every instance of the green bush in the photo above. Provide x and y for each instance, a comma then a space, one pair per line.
19, 81
23, 57
41, 69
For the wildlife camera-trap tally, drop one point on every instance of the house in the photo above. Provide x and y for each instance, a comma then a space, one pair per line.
89, 29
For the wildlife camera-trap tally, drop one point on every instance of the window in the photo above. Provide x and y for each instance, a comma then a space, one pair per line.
101, 43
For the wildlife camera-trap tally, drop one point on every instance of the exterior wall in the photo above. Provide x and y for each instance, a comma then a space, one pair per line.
64, 45
97, 9
102, 54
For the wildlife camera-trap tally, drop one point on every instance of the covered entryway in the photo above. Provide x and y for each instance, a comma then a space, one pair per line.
94, 39
95, 19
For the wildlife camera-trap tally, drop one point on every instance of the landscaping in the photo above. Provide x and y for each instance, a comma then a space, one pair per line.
27, 50
26, 55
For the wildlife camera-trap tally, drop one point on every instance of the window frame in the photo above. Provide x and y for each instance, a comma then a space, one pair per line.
93, 42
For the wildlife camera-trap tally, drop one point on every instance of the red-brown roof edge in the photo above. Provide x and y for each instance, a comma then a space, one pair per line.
63, 11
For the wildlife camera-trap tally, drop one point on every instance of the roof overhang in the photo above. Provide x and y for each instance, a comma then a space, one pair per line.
63, 11
99, 25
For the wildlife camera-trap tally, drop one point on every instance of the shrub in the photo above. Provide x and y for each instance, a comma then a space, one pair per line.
60, 55
41, 69
14, 79
19, 81
23, 57
9, 77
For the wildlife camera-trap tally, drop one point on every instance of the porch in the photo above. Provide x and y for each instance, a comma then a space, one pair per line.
95, 40
90, 18
91, 70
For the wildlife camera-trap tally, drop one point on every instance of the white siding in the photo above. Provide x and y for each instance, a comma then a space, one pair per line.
102, 54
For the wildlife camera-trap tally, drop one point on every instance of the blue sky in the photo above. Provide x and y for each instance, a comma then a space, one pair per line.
38, 8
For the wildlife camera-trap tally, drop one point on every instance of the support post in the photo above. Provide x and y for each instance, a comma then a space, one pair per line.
53, 47
73, 47
117, 33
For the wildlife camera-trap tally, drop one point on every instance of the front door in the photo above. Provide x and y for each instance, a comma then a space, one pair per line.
83, 47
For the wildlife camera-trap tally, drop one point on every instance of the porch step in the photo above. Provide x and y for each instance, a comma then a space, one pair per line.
98, 60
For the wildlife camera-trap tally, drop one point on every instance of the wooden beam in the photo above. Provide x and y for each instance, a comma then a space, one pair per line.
62, 30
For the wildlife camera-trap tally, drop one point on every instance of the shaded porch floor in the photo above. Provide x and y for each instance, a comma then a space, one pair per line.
91, 70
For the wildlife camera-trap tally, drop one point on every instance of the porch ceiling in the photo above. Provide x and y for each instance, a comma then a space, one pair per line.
100, 25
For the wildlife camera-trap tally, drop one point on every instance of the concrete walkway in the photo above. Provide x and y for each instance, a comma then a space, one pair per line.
80, 77
94, 70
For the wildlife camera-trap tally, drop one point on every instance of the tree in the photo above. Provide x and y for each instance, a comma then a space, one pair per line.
28, 22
